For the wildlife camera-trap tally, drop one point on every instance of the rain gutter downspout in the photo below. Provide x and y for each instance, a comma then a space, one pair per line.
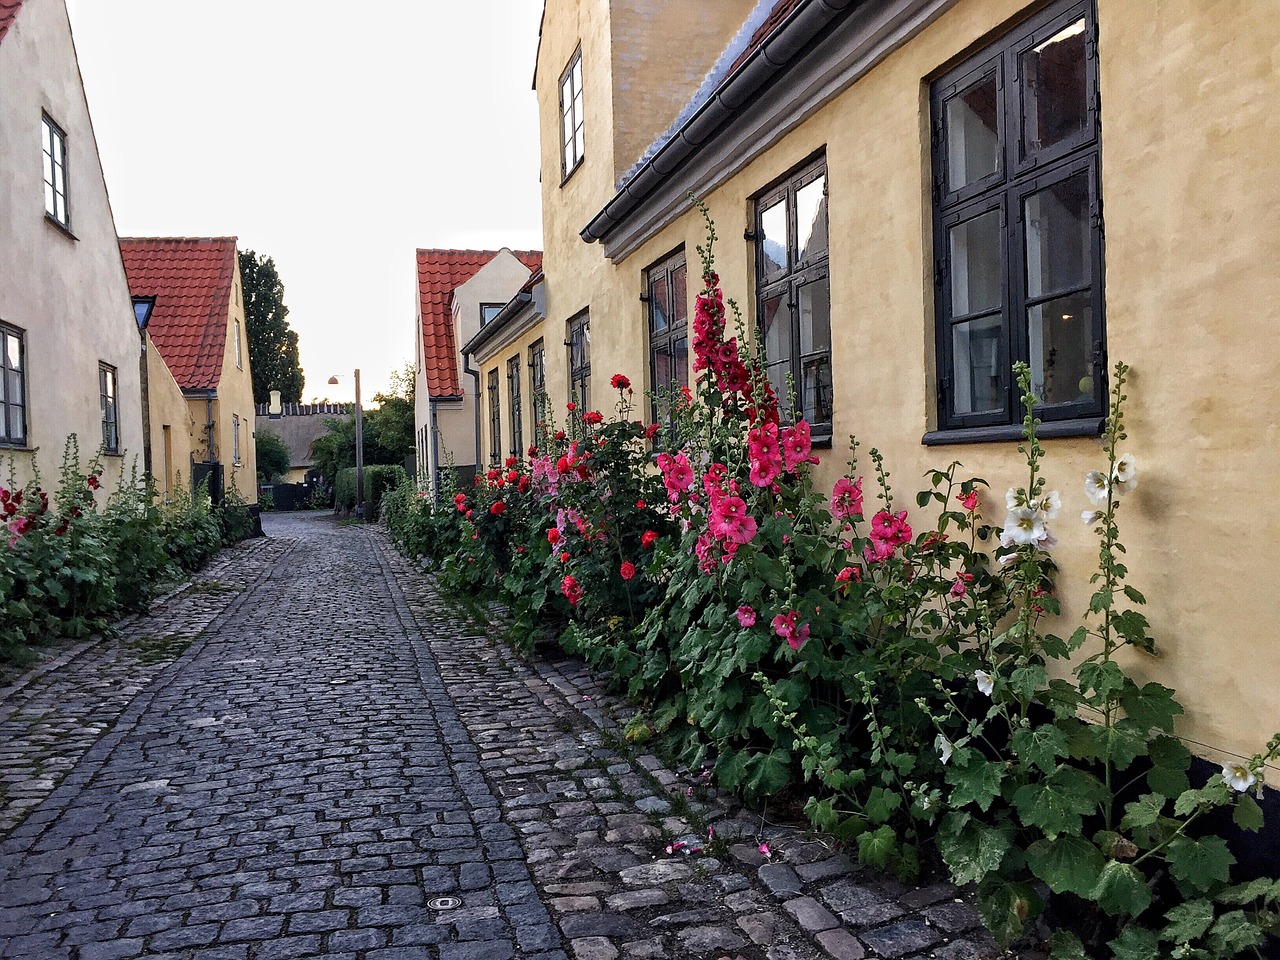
727, 102
475, 398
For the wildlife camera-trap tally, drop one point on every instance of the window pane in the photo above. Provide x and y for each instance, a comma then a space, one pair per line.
774, 240
815, 317
775, 325
566, 94
973, 134
15, 422
1054, 92
1058, 236
977, 366
679, 294
1061, 339
680, 364
975, 265
50, 203
662, 367
579, 145
659, 303
811, 218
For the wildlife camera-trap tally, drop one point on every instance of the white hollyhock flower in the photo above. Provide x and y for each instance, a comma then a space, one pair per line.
1023, 526
1049, 505
1012, 498
1125, 473
1090, 517
1047, 540
1238, 777
985, 683
1097, 487
944, 747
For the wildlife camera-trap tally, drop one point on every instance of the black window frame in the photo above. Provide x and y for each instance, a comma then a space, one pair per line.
109, 402
571, 151
235, 439
675, 330
495, 419
514, 403
53, 136
8, 403
579, 344
799, 271
1022, 171
538, 390
496, 309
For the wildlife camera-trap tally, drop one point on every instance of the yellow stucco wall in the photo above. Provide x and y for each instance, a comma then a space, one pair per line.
175, 437
1192, 217
496, 357
235, 398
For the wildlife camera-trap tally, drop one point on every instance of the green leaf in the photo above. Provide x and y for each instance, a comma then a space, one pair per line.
1188, 921
1104, 678
1057, 804
771, 571
1151, 705
972, 849
974, 779
1040, 746
1066, 946
1027, 681
1121, 890
1243, 894
1200, 864
1067, 864
922, 498
876, 848
1006, 906
1171, 761
1100, 601
1143, 812
1134, 595
1234, 933
1135, 943
1248, 815
1133, 626
1123, 742
881, 804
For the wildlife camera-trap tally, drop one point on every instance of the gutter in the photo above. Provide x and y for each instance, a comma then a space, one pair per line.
806, 22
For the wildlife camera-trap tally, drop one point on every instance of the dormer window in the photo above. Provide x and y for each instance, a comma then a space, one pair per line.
489, 312
571, 135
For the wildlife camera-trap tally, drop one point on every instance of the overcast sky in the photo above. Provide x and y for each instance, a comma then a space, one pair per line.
337, 137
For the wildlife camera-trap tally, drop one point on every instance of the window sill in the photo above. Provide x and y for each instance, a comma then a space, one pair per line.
117, 454
17, 447
62, 228
569, 176
1004, 433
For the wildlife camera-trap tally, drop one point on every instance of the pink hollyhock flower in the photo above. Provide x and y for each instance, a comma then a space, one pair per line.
619, 382
572, 591
846, 498
677, 474
746, 616
764, 453
848, 575
628, 570
968, 500
729, 520
705, 549
797, 443
785, 626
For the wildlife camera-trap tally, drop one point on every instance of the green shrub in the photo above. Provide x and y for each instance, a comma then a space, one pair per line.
378, 479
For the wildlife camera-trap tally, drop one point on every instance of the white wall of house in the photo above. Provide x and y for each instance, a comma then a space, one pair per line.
64, 289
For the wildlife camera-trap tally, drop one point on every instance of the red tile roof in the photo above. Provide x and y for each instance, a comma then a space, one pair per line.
781, 10
8, 10
191, 280
440, 272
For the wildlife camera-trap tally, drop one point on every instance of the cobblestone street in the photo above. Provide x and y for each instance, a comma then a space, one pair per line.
307, 752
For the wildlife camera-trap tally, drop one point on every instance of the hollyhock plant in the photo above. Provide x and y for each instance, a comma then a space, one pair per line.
846, 498
765, 454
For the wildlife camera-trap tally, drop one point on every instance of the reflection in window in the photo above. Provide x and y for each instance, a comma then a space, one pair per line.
1055, 99
580, 362
55, 172
667, 286
973, 134
514, 407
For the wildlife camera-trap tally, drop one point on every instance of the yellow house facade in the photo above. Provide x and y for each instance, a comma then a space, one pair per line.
912, 194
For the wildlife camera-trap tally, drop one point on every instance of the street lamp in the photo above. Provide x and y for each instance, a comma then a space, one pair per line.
359, 446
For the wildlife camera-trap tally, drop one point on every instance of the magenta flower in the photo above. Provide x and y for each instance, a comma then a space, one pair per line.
729, 520
785, 626
677, 475
746, 616
764, 453
796, 445
846, 498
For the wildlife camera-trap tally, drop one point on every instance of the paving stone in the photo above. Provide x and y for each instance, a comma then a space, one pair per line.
810, 914
841, 945
859, 905
900, 939
760, 927
707, 938
781, 879
593, 948
825, 869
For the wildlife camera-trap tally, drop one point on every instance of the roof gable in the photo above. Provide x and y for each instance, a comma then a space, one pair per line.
191, 280
440, 272
8, 12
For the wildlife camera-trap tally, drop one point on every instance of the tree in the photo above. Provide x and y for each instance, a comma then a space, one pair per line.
273, 346
388, 431
274, 459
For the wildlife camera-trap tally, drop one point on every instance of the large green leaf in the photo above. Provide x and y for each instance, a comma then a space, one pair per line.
974, 779
1123, 742
1040, 746
1006, 905
1188, 921
876, 848
1144, 811
1150, 705
881, 804
1027, 681
1066, 946
1057, 804
972, 849
1248, 815
1122, 890
1234, 933
1104, 678
1135, 943
1068, 864
1200, 864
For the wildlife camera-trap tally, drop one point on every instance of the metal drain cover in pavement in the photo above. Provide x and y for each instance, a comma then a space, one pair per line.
444, 903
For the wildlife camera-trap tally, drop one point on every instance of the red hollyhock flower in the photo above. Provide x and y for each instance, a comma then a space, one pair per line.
619, 382
627, 570
553, 536
92, 481
571, 406
651, 431
498, 508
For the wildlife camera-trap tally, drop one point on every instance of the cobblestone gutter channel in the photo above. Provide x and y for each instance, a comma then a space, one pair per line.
313, 755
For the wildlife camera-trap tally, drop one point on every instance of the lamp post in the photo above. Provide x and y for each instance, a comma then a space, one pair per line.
360, 512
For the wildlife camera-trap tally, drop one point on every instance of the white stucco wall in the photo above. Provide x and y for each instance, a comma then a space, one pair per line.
65, 290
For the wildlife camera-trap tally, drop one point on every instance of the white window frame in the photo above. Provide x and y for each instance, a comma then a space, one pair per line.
572, 131
54, 155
